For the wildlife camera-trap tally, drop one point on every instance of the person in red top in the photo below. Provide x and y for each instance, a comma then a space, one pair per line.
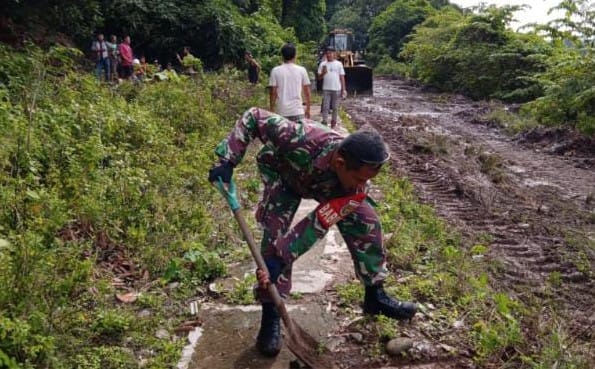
126, 58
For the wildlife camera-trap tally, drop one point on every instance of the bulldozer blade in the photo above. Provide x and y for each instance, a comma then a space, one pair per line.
359, 80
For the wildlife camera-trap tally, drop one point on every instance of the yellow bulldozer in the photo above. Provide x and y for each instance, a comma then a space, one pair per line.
358, 76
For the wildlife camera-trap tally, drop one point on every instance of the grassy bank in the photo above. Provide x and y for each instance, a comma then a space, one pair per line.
107, 222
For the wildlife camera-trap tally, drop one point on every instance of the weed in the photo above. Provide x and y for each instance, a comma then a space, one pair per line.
149, 300
321, 348
471, 150
242, 292
385, 327
105, 357
350, 293
485, 237
478, 249
492, 166
111, 324
555, 279
96, 180
511, 122
553, 348
252, 188
296, 295
376, 351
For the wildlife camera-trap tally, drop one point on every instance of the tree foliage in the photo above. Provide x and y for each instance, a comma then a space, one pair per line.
306, 17
390, 28
218, 31
355, 15
477, 55
569, 80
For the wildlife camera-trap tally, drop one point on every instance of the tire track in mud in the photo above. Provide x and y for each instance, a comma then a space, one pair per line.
536, 208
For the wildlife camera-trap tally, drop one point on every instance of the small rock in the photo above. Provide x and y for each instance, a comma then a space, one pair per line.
448, 348
458, 324
425, 349
214, 288
144, 313
357, 337
398, 345
172, 286
334, 342
543, 209
162, 334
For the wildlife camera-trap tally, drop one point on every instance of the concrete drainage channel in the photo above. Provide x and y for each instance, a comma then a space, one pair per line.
226, 338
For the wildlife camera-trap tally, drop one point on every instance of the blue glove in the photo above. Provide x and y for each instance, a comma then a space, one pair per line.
229, 193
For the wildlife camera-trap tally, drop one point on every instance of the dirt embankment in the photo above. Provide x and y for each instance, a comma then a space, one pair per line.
532, 196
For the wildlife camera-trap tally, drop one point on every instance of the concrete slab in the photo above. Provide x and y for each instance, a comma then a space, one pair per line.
229, 334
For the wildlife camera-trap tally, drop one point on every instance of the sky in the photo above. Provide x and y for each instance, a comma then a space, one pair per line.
536, 14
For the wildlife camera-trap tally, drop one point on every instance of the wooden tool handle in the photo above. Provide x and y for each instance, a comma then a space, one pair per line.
262, 265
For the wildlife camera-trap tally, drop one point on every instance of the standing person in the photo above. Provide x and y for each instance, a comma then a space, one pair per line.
100, 48
287, 83
332, 74
299, 160
186, 60
126, 59
253, 68
114, 55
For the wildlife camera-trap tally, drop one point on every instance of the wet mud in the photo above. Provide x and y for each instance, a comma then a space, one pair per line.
532, 196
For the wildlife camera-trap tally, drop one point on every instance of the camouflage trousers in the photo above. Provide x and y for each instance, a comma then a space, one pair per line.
361, 231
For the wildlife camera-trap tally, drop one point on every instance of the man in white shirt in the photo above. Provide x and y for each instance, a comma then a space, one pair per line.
333, 85
287, 83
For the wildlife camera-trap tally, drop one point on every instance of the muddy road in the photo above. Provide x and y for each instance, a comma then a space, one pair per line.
533, 197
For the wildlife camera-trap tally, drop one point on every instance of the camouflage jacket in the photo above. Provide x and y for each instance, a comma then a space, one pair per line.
296, 153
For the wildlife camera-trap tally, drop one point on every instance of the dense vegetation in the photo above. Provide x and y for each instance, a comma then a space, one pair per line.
103, 189
548, 67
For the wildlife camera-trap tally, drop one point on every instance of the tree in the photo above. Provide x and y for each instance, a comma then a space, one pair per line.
578, 22
42, 20
569, 79
218, 31
390, 29
357, 16
477, 55
306, 17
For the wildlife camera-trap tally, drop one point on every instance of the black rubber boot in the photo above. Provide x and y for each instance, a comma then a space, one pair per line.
378, 302
269, 340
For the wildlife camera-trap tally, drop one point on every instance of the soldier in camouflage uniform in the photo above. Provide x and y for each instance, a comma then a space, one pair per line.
305, 159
